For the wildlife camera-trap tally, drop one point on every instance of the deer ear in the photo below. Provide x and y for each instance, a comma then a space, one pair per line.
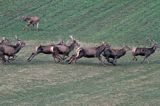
3, 38
16, 37
71, 37
103, 42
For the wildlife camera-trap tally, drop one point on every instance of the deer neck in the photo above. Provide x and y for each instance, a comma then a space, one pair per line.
100, 49
17, 48
71, 46
154, 48
122, 51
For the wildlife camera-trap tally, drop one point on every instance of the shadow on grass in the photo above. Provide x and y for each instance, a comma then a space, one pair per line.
81, 63
34, 62
137, 63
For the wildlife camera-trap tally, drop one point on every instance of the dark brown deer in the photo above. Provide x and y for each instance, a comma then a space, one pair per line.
31, 20
114, 54
146, 52
90, 52
65, 50
46, 49
10, 50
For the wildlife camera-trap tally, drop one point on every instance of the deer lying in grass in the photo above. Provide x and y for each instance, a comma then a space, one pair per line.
46, 49
65, 50
90, 52
114, 54
10, 50
146, 52
31, 20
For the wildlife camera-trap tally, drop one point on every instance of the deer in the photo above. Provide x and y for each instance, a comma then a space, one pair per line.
65, 50
5, 41
31, 20
114, 54
143, 51
46, 49
10, 50
89, 52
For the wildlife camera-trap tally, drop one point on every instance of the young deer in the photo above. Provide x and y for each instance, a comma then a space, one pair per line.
146, 52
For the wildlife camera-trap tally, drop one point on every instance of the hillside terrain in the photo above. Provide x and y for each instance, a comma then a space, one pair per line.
115, 21
43, 82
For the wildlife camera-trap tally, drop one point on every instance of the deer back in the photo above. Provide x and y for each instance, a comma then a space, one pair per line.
63, 48
34, 19
7, 49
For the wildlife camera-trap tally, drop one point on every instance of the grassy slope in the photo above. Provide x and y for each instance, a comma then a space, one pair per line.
99, 20
43, 82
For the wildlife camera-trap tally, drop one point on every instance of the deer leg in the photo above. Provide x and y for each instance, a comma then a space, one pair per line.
134, 58
26, 26
100, 59
75, 58
72, 58
3, 59
114, 61
7, 58
56, 56
145, 58
64, 57
12, 58
37, 25
108, 59
32, 56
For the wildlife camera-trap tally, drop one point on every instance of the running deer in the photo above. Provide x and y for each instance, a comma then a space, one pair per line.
46, 49
114, 54
65, 50
146, 52
10, 50
90, 52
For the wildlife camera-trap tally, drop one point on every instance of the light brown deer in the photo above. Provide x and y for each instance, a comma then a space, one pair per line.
31, 20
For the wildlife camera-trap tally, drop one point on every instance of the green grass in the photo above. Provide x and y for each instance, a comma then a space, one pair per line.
43, 82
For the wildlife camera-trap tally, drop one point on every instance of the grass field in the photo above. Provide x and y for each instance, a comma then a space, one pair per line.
43, 82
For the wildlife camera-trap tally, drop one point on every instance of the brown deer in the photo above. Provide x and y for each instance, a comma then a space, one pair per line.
46, 49
90, 52
65, 50
114, 54
31, 20
10, 50
146, 52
